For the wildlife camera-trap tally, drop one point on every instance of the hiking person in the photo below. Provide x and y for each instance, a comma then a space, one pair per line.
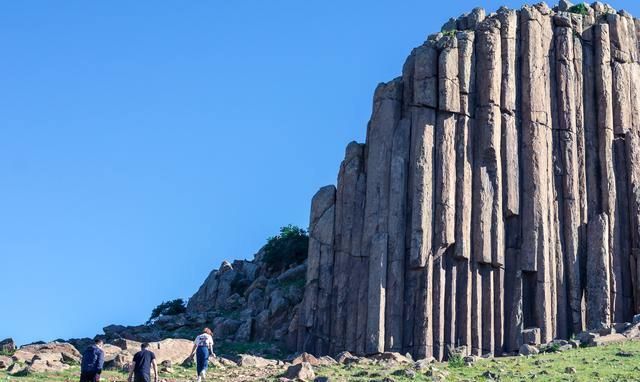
140, 368
92, 362
202, 347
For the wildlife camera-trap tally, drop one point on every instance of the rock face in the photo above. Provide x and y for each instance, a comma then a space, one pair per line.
496, 200
242, 301
248, 301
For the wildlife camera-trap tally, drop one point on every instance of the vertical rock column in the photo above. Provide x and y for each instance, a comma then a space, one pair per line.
605, 138
386, 114
578, 23
445, 192
567, 132
592, 165
397, 234
418, 276
488, 217
512, 284
597, 291
623, 54
316, 313
536, 37
464, 181
633, 169
348, 233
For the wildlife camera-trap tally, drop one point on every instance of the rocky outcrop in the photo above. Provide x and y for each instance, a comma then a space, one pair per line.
7, 345
41, 358
242, 301
496, 200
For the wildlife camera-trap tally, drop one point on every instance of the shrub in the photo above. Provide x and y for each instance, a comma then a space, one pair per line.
580, 9
289, 247
552, 348
450, 32
456, 360
168, 308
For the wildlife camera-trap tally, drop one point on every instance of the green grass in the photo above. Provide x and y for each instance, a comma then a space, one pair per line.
591, 364
620, 362
73, 374
455, 360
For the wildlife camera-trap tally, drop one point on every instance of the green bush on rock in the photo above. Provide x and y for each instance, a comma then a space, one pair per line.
580, 9
287, 248
168, 308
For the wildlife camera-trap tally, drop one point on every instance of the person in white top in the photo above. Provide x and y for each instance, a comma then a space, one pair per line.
202, 347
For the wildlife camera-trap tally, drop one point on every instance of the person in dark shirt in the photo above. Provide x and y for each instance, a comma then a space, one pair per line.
140, 369
92, 362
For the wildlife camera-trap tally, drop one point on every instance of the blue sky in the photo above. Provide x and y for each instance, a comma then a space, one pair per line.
144, 142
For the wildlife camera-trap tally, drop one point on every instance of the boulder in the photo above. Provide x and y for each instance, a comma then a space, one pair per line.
292, 274
586, 338
17, 369
7, 345
59, 351
633, 331
306, 357
227, 328
243, 333
80, 343
302, 371
246, 360
346, 358
226, 362
5, 362
470, 359
47, 362
326, 361
129, 345
564, 5
424, 363
110, 352
608, 339
174, 350
392, 358
526, 349
119, 362
172, 322
531, 336
114, 330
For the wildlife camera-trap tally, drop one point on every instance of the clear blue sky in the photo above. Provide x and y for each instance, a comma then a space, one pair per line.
143, 142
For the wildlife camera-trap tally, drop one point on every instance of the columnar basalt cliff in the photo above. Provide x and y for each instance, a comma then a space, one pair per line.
497, 195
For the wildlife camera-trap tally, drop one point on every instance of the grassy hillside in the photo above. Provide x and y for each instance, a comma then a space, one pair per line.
619, 362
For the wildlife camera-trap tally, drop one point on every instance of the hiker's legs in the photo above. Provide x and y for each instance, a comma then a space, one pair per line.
202, 359
89, 376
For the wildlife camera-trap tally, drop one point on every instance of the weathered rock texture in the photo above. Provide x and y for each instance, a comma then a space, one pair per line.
245, 301
497, 194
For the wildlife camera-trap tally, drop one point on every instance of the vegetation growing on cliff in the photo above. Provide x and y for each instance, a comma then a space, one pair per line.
289, 247
580, 9
168, 308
